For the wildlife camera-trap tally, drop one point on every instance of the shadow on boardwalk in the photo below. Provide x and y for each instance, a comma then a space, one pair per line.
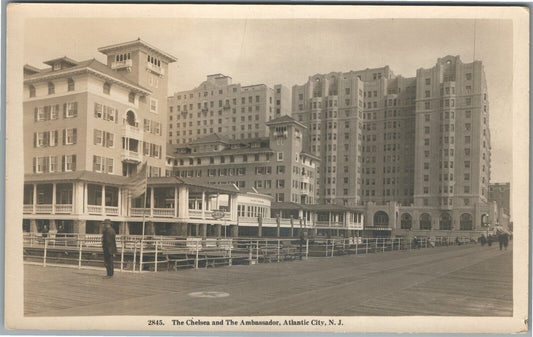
453, 281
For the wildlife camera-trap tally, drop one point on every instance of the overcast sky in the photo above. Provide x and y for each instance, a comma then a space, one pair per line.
289, 51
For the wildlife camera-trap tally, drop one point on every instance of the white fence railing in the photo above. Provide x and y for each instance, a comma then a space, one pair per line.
160, 252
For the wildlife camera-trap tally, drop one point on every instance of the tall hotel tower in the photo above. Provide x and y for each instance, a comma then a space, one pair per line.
421, 142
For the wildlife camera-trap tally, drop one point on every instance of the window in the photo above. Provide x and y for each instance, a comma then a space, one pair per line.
97, 164
153, 105
109, 165
69, 163
428, 81
427, 105
107, 88
51, 88
468, 76
70, 84
131, 99
280, 156
70, 110
69, 136
32, 91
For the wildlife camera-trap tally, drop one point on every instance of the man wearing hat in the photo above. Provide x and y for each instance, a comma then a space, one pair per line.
109, 246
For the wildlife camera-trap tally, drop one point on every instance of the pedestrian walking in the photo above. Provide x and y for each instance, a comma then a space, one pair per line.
109, 246
505, 240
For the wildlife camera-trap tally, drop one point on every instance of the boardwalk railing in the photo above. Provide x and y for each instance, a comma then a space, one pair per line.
156, 253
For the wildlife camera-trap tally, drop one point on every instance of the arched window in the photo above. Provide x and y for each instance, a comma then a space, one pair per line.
130, 118
131, 97
51, 88
32, 91
406, 221
70, 84
107, 88
466, 222
445, 221
381, 219
425, 221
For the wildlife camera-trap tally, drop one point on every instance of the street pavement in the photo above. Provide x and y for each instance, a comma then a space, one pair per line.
465, 280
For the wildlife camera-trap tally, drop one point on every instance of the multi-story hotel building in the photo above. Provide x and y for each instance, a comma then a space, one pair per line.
361, 125
420, 146
275, 165
95, 123
230, 110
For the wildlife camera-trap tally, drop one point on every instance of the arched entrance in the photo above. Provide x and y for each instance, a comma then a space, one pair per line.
381, 219
445, 221
425, 221
466, 222
406, 221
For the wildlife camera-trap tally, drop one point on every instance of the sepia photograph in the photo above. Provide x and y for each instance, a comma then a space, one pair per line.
267, 168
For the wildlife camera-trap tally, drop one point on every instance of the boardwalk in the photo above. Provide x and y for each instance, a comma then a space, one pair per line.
466, 280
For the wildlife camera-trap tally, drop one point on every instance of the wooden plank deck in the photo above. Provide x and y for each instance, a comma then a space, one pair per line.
465, 280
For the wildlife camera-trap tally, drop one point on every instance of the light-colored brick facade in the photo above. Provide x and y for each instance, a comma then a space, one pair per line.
230, 110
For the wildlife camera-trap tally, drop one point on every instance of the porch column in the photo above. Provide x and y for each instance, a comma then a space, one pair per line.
34, 200
124, 228
54, 198
78, 192
218, 230
80, 227
150, 228
103, 200
119, 200
52, 226
183, 199
218, 203
152, 201
176, 201
234, 216
292, 226
33, 225
234, 231
203, 230
203, 205
85, 197
197, 229
183, 229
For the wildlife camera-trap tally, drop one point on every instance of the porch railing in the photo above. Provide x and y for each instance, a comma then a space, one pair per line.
94, 209
63, 208
47, 208
163, 212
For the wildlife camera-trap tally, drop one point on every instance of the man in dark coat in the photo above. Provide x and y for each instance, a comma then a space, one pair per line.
109, 246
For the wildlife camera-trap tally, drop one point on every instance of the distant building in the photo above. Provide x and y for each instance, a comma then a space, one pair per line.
230, 110
501, 193
275, 165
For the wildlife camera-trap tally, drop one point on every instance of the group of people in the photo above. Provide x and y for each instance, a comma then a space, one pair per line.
501, 236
